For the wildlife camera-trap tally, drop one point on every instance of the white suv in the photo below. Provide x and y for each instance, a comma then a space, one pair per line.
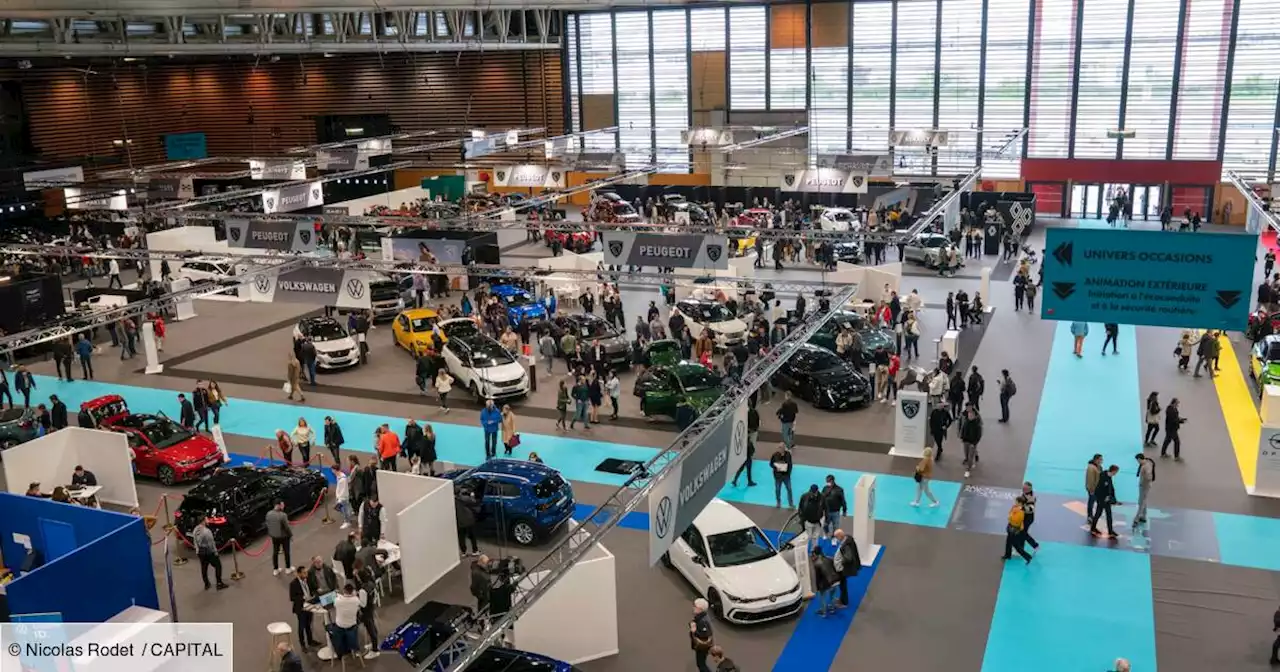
206, 269
483, 367
727, 329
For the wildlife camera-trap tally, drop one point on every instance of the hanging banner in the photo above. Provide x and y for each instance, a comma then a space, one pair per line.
277, 170
918, 138
692, 484
666, 250
293, 198
951, 218
1253, 220
266, 234
56, 177
313, 286
171, 189
374, 146
875, 165
824, 181
529, 175
707, 137
185, 146
482, 146
599, 161
336, 210
558, 146
423, 250
83, 199
343, 158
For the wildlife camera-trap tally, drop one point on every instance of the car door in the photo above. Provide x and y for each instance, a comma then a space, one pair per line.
254, 501
786, 376
500, 498
458, 360
144, 458
401, 330
659, 394
684, 554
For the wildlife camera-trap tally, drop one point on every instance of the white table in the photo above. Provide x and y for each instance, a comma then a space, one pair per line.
325, 652
390, 563
86, 495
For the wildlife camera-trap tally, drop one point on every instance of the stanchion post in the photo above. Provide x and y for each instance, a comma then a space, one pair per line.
324, 495
180, 558
168, 520
236, 574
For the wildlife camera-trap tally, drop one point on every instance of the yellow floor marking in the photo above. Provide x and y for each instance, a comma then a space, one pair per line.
1243, 424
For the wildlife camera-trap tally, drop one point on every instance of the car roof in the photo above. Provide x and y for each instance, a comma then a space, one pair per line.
530, 471
580, 317
504, 290
719, 517
317, 320
419, 313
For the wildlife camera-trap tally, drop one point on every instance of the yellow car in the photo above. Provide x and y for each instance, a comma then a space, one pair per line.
412, 330
742, 229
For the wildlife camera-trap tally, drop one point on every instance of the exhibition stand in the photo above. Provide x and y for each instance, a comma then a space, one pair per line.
871, 280
87, 565
864, 519
1267, 482
586, 597
51, 459
420, 513
910, 426
150, 349
984, 288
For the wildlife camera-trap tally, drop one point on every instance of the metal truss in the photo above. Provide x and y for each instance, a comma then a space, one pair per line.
41, 28
1255, 203
939, 209
465, 647
763, 140
242, 194
74, 323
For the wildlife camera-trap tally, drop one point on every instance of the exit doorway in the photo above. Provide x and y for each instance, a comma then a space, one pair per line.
1094, 201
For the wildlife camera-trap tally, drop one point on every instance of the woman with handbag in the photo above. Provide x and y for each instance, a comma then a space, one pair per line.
924, 474
510, 439
303, 436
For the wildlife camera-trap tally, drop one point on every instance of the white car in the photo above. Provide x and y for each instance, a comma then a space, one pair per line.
702, 314
335, 348
838, 219
482, 366
926, 248
206, 269
729, 561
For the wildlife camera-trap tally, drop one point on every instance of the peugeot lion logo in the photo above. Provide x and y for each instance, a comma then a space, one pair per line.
502, 176
857, 181
662, 518
714, 252
234, 232
305, 236
615, 248
262, 283
910, 407
355, 288
789, 179
315, 194
555, 177
271, 204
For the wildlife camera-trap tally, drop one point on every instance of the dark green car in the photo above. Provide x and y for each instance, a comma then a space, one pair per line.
17, 425
662, 388
665, 352
872, 337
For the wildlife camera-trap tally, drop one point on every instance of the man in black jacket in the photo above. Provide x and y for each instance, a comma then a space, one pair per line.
1113, 333
780, 463
200, 400
333, 439
1172, 425
811, 510
481, 583
977, 386
465, 510
848, 561
424, 372
834, 504
345, 555
970, 435
57, 412
62, 356
300, 594
1105, 494
186, 413
411, 446
939, 421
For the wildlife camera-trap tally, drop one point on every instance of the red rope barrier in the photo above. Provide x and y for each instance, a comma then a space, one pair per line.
246, 551
312, 512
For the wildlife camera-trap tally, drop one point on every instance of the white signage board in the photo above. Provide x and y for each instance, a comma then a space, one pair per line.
910, 425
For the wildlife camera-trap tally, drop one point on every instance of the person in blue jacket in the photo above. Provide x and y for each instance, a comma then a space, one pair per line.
490, 420
85, 350
1079, 330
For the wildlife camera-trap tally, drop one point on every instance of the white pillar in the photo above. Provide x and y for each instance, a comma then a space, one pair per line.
950, 344
984, 287
219, 439
149, 349
910, 423
864, 519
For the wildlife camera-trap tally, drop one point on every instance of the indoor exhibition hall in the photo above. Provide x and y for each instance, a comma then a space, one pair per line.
567, 336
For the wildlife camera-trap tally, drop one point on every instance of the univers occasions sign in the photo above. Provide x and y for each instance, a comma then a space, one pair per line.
674, 251
313, 286
692, 484
293, 198
825, 181
279, 235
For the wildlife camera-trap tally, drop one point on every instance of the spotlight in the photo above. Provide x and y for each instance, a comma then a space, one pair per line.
24, 65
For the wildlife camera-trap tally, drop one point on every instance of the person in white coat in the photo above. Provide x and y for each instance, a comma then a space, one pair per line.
113, 274
342, 495
914, 302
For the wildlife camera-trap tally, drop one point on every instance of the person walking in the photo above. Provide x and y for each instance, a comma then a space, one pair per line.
940, 420
970, 435
278, 529
834, 504
847, 561
1078, 331
4, 389
1019, 291
388, 445
951, 310
1172, 425
977, 386
562, 405
1007, 389
1092, 474
207, 553
787, 417
1032, 288
781, 463
924, 474
1153, 419
333, 439
303, 436
510, 437
581, 394
491, 422
1028, 498
613, 387
466, 508
701, 638
130, 339
1014, 532
825, 579
84, 349
1104, 498
955, 392
1204, 358
1183, 352
547, 349
811, 510
443, 384
1112, 330
342, 498
113, 273
1146, 476
25, 384
307, 354
293, 379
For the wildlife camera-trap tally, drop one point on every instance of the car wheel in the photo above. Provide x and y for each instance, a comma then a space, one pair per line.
475, 392
716, 603
666, 561
523, 533
166, 475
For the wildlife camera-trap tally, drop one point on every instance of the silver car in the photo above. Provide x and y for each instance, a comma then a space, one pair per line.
926, 248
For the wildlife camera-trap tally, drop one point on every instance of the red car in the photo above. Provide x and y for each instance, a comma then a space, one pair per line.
609, 207
162, 449
575, 241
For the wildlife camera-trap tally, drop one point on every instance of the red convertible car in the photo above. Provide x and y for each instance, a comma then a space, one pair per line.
162, 449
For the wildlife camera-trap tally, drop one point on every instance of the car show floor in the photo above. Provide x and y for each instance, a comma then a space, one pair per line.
1194, 589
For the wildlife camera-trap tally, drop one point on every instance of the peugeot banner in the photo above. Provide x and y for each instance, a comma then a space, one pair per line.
529, 175
877, 165
692, 484
293, 198
280, 235
707, 137
344, 158
286, 169
918, 138
825, 181
666, 250
599, 161
55, 177
313, 286
171, 189
374, 146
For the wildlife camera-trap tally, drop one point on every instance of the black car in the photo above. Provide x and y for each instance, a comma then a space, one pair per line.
431, 626
17, 425
849, 252
236, 501
872, 337
822, 378
590, 329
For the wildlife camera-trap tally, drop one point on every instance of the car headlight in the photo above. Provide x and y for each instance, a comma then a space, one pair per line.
400, 303
732, 597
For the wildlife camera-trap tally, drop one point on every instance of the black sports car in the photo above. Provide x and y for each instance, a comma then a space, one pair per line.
236, 501
17, 425
820, 377
872, 337
432, 624
590, 329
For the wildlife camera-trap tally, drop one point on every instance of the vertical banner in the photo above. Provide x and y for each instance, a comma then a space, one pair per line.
910, 424
1253, 220
951, 218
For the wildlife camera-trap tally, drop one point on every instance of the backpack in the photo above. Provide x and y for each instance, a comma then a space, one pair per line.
1011, 388
1017, 517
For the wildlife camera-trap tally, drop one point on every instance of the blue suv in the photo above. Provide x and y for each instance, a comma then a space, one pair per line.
524, 501
521, 305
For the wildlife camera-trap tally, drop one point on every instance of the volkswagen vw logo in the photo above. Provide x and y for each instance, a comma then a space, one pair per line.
662, 518
355, 288
615, 248
910, 407
714, 252
262, 283
739, 437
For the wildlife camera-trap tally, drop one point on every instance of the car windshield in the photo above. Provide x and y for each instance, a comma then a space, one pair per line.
422, 323
708, 312
933, 242
461, 329
163, 433
517, 299
697, 378
840, 215
740, 547
487, 354
1272, 351
851, 321
326, 331
596, 329
821, 360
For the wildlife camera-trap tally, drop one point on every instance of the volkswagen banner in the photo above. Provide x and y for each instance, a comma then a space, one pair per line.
286, 169
877, 165
293, 198
313, 287
825, 181
343, 158
692, 484
279, 235
666, 250
171, 189
529, 175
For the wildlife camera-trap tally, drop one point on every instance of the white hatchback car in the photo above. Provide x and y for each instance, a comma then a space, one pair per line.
335, 348
207, 269
839, 219
701, 314
481, 365
729, 561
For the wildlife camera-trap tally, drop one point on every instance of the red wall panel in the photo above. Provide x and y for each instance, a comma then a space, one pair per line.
1123, 171
1188, 197
1048, 198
